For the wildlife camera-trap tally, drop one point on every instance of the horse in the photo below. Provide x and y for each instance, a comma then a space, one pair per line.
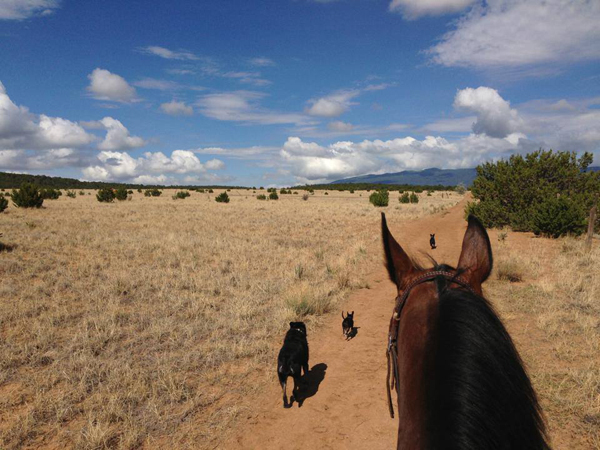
459, 380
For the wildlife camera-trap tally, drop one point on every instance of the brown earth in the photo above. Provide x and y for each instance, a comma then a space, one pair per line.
347, 408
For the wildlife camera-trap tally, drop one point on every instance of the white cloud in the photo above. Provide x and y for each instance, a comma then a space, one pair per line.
150, 167
117, 136
311, 161
175, 108
42, 159
262, 62
23, 9
512, 33
105, 85
161, 85
214, 164
20, 129
247, 78
241, 106
332, 105
413, 9
169, 54
495, 117
338, 125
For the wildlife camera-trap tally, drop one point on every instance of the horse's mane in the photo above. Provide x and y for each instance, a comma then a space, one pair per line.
481, 397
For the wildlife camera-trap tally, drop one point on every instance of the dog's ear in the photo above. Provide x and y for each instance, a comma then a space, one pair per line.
476, 257
352, 313
398, 263
292, 324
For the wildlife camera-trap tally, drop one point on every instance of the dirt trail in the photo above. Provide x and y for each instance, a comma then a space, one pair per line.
349, 409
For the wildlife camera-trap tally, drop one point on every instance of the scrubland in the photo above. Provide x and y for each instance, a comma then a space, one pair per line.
140, 323
548, 293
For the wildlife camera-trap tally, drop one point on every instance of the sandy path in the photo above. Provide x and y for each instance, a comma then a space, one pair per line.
349, 408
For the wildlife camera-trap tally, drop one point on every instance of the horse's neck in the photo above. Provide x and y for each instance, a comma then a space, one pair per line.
415, 357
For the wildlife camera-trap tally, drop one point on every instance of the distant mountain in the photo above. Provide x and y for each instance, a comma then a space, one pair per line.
426, 177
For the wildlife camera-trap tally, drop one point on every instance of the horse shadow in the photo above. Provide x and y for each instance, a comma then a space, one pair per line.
311, 382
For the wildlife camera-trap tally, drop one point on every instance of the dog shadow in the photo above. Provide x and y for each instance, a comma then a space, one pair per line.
352, 333
311, 382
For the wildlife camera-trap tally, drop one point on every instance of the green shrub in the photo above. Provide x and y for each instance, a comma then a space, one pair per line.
106, 195
326, 193
3, 203
380, 198
28, 196
139, 190
210, 191
404, 198
81, 193
121, 193
273, 196
523, 192
419, 190
222, 198
71, 194
460, 188
271, 190
130, 192
152, 192
181, 195
352, 191
50, 194
261, 197
304, 197
414, 198
201, 191
555, 217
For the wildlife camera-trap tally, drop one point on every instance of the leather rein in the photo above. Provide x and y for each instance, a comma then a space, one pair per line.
392, 347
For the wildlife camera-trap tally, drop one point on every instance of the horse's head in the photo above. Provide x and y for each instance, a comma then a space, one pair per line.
450, 358
474, 263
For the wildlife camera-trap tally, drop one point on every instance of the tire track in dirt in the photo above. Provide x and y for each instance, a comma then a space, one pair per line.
349, 409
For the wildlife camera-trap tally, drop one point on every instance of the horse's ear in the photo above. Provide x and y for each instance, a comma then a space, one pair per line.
398, 264
476, 257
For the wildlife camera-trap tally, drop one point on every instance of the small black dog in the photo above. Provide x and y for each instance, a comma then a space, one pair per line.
347, 324
293, 357
432, 241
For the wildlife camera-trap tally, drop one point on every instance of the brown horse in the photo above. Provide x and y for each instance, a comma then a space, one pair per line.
460, 382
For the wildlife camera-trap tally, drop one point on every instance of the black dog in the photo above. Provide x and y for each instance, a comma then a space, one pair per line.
347, 324
293, 357
432, 241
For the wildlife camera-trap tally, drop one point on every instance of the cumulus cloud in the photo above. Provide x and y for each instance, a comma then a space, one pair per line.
20, 129
495, 117
413, 9
242, 106
175, 108
117, 136
169, 54
332, 105
151, 166
24, 9
512, 33
310, 161
105, 85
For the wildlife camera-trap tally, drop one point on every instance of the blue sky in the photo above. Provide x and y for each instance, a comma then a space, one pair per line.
280, 92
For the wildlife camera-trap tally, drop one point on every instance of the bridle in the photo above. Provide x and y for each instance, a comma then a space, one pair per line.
392, 347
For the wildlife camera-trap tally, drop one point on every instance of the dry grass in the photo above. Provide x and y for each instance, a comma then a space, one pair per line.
136, 323
554, 316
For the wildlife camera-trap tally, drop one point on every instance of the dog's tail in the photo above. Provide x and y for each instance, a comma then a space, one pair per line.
285, 368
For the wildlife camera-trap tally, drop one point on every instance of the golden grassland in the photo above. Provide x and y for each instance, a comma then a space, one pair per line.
136, 323
548, 294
